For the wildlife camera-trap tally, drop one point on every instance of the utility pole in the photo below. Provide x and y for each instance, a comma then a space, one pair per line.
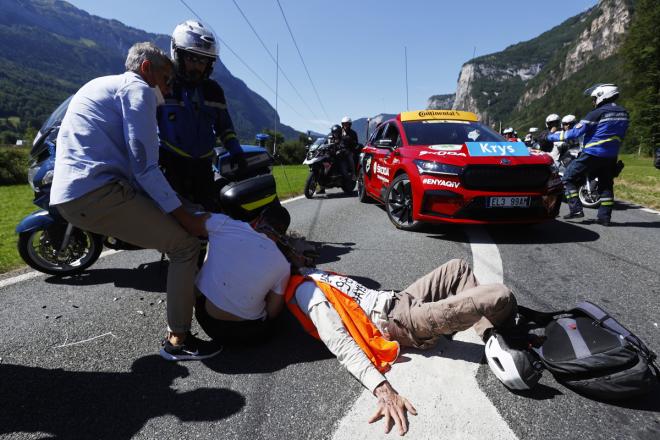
405, 55
277, 66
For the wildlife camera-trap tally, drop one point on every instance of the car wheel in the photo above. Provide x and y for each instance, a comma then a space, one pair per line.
363, 197
399, 203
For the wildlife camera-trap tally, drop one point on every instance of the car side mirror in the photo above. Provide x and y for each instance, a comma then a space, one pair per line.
385, 143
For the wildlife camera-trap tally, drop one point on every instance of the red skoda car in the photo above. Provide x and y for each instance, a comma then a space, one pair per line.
444, 166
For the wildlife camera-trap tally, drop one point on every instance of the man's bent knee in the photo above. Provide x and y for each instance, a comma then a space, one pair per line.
187, 248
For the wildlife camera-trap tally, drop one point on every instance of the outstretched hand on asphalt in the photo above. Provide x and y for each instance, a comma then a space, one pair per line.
393, 407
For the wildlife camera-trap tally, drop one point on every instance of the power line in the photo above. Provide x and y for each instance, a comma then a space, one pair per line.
301, 58
242, 61
273, 58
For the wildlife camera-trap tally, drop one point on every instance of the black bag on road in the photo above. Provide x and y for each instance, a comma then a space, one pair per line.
590, 352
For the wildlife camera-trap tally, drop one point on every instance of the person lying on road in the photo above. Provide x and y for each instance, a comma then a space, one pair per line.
364, 327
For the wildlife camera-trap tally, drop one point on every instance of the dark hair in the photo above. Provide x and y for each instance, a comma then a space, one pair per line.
277, 217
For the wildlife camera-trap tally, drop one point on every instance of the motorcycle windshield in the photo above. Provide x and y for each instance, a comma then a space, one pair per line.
49, 128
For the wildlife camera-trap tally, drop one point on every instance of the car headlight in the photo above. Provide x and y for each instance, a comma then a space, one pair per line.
430, 167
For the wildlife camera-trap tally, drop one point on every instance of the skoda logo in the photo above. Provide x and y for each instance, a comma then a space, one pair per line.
505, 161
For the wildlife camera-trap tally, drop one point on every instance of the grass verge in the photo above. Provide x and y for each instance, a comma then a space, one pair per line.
16, 203
639, 182
290, 179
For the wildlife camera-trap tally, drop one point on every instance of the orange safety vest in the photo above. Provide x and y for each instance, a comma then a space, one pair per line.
381, 352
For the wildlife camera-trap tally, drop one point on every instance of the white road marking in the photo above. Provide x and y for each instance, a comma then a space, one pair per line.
441, 382
652, 211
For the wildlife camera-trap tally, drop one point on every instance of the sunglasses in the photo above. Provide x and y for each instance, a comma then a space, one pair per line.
198, 59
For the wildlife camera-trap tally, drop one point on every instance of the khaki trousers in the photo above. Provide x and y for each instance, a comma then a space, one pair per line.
445, 301
117, 210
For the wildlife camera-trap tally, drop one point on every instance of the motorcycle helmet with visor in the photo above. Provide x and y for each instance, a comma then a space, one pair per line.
193, 43
602, 93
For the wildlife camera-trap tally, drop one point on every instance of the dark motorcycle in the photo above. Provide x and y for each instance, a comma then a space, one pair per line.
325, 161
50, 244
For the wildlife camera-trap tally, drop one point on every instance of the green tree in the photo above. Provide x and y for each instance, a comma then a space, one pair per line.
642, 54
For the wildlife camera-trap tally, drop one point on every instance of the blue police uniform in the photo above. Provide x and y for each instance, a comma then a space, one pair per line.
603, 129
189, 122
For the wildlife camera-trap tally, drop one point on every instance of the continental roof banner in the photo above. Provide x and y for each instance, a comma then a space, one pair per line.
427, 115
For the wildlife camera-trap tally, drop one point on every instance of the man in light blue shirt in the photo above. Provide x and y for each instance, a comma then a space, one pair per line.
107, 181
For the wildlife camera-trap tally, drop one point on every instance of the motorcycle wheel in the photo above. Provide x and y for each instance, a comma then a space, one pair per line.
399, 204
589, 199
310, 185
363, 197
37, 250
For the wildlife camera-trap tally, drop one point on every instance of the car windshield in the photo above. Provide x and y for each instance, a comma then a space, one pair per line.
448, 132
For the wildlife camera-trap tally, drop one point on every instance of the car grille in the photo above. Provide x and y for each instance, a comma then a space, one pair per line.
505, 178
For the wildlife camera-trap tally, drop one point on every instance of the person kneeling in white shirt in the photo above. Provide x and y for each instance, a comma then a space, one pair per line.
243, 278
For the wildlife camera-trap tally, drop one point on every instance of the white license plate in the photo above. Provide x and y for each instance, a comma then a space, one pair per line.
508, 202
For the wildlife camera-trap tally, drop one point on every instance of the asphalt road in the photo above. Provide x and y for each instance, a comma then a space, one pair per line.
79, 355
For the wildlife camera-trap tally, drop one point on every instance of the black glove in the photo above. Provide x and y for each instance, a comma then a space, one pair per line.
544, 143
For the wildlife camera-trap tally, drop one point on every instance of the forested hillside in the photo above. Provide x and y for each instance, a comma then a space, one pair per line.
49, 48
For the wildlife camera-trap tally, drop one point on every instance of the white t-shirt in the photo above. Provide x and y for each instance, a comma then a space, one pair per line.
236, 254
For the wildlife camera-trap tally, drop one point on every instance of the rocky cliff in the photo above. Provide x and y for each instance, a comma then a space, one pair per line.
502, 86
440, 102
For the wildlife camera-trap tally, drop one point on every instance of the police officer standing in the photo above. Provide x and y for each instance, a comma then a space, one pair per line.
193, 116
603, 129
350, 140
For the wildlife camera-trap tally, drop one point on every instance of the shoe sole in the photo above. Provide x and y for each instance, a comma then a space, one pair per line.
184, 357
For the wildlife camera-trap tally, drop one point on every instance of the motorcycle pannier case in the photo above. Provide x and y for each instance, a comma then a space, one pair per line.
245, 199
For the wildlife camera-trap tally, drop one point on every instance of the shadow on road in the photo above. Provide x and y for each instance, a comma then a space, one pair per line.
331, 252
149, 277
288, 344
539, 392
544, 233
613, 224
97, 405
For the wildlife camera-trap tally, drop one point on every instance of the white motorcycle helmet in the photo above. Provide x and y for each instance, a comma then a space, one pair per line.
346, 120
602, 92
508, 130
568, 119
552, 119
191, 36
514, 368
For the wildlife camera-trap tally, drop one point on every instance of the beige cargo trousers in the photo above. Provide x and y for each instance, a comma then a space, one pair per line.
447, 300
117, 210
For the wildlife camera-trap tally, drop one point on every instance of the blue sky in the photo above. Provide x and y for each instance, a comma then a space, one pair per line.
354, 50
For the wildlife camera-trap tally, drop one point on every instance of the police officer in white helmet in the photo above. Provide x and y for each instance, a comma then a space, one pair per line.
194, 116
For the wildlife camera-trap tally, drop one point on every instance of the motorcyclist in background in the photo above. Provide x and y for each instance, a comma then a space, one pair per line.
193, 116
349, 139
510, 135
552, 124
603, 129
335, 137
